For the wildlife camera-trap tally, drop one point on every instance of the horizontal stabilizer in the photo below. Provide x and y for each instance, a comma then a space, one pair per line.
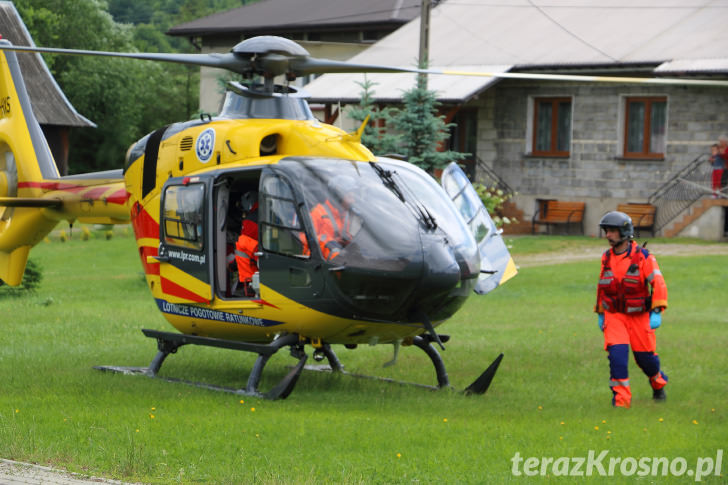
29, 202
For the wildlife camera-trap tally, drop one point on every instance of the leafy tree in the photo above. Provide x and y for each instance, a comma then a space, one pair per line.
376, 136
126, 98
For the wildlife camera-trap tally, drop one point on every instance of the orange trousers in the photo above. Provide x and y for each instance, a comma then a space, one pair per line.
622, 331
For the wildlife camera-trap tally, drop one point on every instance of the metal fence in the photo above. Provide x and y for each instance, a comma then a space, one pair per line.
488, 177
687, 186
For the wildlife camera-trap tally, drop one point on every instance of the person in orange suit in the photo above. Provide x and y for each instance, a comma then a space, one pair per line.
246, 246
628, 312
333, 221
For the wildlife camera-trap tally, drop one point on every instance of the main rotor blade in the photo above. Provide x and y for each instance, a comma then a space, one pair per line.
274, 63
307, 65
583, 78
227, 61
312, 65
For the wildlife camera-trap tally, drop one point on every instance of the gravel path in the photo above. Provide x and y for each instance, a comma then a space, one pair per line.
594, 253
17, 473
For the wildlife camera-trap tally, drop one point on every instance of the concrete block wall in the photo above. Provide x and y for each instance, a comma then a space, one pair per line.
594, 172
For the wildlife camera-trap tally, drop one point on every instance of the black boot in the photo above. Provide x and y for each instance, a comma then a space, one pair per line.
659, 395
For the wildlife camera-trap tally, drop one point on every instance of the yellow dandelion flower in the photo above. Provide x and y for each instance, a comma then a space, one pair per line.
695, 421
151, 416
596, 428
137, 431
257, 435
252, 410
399, 455
712, 410
444, 420
242, 402
660, 420
609, 432
562, 423
561, 437
540, 408
154, 409
604, 421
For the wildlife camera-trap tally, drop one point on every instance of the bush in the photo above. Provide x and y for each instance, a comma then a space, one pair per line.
31, 281
493, 200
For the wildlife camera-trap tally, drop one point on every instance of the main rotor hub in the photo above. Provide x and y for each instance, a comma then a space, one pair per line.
269, 44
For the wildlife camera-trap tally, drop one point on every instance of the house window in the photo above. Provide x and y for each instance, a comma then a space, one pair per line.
645, 122
552, 126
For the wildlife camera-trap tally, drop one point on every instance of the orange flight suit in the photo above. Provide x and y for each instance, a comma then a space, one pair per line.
245, 249
623, 297
332, 229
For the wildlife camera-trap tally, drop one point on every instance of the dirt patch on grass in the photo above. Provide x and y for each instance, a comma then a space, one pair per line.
594, 253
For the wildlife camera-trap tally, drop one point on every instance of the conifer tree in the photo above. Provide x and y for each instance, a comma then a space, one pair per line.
376, 136
423, 130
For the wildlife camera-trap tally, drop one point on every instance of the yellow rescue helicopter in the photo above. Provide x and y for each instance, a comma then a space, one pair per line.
349, 249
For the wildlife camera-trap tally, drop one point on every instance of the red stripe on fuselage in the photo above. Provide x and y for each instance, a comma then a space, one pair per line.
171, 288
95, 193
263, 302
143, 224
149, 268
51, 186
119, 197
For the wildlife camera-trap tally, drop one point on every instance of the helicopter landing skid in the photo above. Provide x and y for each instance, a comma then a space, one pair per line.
168, 343
424, 342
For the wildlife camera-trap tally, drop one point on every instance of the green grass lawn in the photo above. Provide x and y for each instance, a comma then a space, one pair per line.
549, 399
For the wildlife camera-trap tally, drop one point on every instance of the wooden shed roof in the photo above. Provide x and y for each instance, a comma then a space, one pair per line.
50, 105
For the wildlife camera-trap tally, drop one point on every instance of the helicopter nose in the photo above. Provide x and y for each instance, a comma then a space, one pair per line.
440, 271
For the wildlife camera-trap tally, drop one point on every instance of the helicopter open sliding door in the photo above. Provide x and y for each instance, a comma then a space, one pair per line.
496, 265
185, 249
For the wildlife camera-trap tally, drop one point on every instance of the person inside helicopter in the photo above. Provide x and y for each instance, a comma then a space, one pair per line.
246, 245
335, 221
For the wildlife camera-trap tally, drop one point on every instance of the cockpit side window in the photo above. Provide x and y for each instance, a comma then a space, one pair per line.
183, 215
280, 225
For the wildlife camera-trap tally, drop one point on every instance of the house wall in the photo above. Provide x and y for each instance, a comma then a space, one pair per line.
594, 172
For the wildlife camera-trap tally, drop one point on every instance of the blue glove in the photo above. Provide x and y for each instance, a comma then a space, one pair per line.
601, 321
655, 319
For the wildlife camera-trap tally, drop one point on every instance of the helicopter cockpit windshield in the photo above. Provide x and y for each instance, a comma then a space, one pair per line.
391, 239
351, 215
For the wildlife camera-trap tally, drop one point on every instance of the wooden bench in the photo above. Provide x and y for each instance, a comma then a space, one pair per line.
558, 213
643, 215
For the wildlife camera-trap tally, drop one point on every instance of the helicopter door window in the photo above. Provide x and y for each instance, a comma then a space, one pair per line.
183, 215
280, 226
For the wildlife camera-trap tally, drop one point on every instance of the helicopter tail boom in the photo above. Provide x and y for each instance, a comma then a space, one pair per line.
33, 196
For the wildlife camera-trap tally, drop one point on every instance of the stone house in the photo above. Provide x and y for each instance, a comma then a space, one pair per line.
602, 143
